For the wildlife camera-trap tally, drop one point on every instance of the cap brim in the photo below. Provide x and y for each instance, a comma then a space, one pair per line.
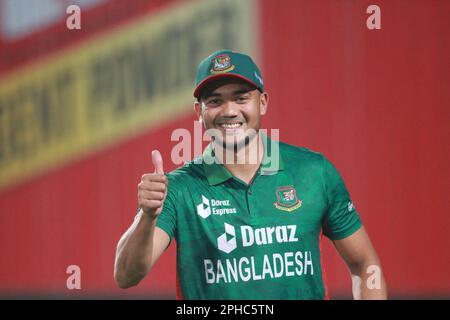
213, 77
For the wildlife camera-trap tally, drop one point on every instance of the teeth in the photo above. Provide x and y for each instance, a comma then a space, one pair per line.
230, 125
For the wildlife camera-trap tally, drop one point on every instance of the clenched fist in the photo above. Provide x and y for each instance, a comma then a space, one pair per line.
152, 189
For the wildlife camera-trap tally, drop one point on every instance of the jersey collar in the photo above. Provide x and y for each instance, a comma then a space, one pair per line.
216, 173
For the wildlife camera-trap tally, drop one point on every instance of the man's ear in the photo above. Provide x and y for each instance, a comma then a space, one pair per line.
198, 110
263, 103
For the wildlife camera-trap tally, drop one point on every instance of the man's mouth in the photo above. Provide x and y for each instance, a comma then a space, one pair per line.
231, 125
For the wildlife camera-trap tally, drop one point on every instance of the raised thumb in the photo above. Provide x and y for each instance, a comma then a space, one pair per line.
157, 162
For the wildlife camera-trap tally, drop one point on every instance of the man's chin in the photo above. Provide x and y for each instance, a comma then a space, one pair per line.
235, 141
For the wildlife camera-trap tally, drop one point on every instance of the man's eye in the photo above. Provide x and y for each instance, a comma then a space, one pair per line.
213, 102
242, 98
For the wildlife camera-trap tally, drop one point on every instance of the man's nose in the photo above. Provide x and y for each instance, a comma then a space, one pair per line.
230, 109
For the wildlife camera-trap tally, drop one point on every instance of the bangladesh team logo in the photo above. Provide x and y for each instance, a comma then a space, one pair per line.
287, 199
221, 64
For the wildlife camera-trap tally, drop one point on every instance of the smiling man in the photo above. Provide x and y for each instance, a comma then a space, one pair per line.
249, 225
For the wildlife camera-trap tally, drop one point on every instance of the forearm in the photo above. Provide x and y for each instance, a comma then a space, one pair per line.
368, 282
134, 252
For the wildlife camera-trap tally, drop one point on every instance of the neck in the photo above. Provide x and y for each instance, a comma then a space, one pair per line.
244, 162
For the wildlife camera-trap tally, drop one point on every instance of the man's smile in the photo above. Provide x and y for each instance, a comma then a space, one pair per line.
231, 127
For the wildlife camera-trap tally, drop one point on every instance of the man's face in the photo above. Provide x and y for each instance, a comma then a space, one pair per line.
234, 108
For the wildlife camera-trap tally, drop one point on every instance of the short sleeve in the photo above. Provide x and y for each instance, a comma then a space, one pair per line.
167, 219
341, 219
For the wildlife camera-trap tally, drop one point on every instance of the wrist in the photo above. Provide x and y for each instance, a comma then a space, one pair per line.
148, 216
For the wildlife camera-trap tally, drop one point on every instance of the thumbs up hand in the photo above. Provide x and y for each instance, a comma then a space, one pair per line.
152, 189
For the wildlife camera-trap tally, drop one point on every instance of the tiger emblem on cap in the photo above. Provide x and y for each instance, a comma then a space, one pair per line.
221, 64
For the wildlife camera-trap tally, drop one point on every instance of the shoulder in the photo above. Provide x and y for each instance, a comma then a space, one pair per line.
305, 160
296, 154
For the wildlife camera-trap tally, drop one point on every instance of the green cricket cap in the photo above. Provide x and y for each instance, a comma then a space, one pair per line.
225, 64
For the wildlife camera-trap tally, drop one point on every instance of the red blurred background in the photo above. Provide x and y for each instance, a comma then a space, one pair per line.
375, 102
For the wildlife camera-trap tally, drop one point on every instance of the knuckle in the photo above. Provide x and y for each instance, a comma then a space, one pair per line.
155, 203
148, 203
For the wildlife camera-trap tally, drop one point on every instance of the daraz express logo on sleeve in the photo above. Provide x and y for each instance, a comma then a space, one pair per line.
215, 207
226, 242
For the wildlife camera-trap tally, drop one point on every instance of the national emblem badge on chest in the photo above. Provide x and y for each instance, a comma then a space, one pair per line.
287, 199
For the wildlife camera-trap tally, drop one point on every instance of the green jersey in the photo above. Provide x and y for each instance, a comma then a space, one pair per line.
259, 240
